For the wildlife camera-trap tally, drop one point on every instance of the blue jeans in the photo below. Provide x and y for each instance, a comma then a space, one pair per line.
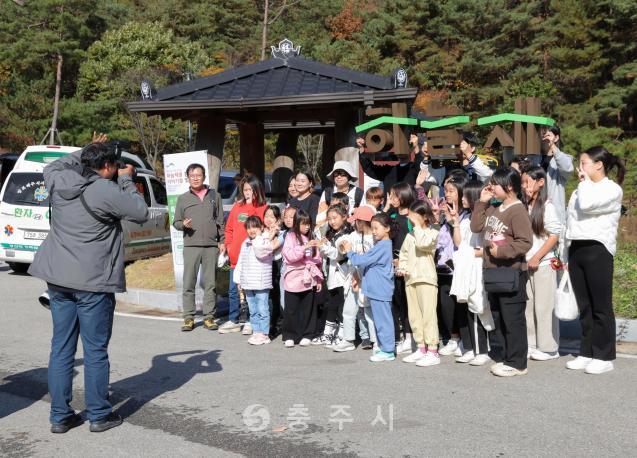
234, 306
259, 309
90, 316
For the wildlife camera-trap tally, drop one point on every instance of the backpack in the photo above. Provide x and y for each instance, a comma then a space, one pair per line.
358, 195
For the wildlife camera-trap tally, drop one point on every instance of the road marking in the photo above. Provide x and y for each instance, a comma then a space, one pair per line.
150, 317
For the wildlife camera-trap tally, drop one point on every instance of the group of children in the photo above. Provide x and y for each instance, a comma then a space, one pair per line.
429, 276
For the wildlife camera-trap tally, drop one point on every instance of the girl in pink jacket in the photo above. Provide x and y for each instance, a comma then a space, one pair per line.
302, 279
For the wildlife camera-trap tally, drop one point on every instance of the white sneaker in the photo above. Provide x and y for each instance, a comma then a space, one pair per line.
597, 366
228, 327
336, 341
480, 360
304, 342
508, 371
495, 366
430, 359
344, 345
404, 346
538, 355
450, 348
414, 357
323, 339
289, 343
468, 356
247, 329
578, 363
529, 352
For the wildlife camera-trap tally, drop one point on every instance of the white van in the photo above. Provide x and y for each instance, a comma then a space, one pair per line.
24, 209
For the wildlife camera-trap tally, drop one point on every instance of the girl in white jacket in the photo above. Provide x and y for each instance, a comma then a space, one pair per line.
253, 274
338, 278
467, 278
591, 232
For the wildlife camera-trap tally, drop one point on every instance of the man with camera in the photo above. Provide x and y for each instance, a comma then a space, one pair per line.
82, 261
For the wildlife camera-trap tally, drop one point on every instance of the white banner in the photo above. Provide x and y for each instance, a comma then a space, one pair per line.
176, 184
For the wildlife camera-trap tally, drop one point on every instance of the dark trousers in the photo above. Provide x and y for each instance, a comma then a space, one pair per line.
590, 267
478, 335
508, 311
399, 309
299, 315
334, 305
89, 316
452, 315
276, 315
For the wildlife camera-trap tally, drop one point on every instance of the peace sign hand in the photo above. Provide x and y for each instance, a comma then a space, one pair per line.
451, 212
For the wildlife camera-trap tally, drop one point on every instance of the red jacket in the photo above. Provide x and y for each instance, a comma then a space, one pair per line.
236, 230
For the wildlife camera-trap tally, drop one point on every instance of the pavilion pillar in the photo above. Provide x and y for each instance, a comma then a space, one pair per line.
251, 150
211, 135
284, 160
344, 125
329, 150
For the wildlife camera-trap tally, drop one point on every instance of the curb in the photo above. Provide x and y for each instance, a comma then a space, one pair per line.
171, 301
166, 300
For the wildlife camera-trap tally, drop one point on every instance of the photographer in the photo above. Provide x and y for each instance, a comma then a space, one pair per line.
82, 261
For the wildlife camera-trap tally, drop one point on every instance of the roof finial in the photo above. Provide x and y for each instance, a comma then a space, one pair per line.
285, 50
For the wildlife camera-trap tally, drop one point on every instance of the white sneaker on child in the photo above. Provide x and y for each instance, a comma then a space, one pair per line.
450, 348
404, 346
598, 366
480, 360
468, 356
430, 359
537, 355
578, 363
343, 345
247, 329
414, 357
289, 343
304, 342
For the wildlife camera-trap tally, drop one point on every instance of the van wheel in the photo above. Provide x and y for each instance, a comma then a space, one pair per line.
19, 267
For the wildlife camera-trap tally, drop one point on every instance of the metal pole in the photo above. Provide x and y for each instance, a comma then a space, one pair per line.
189, 123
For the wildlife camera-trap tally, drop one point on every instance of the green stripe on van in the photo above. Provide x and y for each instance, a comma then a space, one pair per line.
45, 157
20, 247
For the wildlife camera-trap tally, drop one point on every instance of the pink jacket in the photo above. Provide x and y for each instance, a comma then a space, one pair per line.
301, 272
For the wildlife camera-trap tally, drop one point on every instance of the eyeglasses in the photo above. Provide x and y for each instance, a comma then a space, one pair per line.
194, 177
340, 173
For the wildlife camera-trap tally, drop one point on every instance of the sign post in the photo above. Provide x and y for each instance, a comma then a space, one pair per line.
176, 184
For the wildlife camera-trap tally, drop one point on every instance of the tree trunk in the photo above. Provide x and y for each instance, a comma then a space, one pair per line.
264, 30
56, 102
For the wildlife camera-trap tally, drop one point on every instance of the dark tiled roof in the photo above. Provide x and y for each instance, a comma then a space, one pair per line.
275, 77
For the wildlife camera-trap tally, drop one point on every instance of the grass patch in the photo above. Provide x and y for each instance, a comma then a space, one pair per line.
157, 273
625, 280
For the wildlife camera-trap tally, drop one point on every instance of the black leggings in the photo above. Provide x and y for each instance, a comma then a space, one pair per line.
452, 315
276, 314
590, 267
299, 315
334, 305
399, 309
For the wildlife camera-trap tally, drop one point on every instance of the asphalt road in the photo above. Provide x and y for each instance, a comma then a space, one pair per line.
208, 394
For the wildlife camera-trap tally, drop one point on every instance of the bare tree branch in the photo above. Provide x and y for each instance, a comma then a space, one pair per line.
281, 9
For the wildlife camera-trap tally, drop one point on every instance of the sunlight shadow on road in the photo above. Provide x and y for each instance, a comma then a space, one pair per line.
163, 376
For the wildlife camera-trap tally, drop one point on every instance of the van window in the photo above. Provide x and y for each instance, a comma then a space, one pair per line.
142, 188
26, 189
226, 186
159, 191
